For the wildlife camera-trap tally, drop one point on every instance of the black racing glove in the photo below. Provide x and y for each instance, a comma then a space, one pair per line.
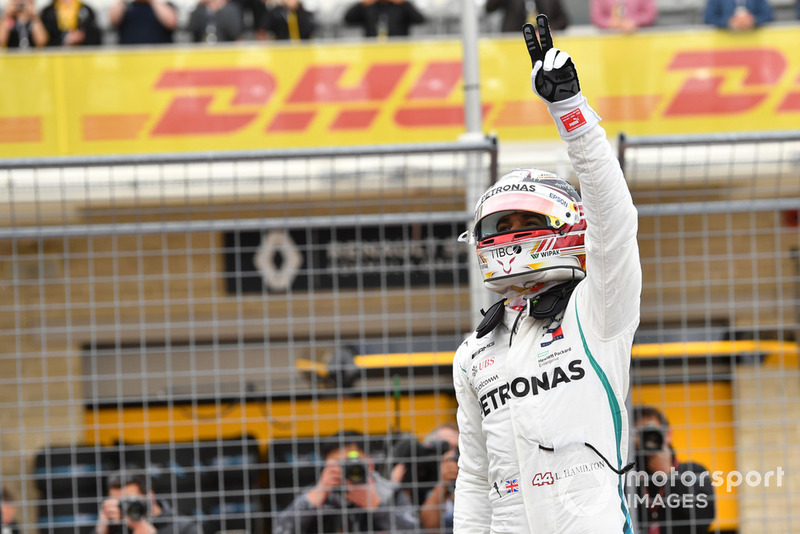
555, 80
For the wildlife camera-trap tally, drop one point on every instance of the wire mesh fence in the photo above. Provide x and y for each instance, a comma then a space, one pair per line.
213, 323
206, 321
716, 351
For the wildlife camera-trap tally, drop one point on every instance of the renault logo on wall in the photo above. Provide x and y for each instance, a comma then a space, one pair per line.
344, 258
278, 260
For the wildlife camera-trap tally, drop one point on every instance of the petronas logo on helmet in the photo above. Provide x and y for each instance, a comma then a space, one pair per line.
507, 188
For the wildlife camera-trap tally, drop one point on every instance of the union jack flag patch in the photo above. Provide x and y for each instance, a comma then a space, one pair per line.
552, 334
512, 486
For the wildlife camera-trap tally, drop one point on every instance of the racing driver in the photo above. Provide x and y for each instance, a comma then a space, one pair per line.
541, 384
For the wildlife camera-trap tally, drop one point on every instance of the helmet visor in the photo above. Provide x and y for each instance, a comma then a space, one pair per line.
536, 211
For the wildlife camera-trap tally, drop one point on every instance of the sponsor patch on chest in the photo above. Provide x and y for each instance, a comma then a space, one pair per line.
524, 386
550, 351
552, 334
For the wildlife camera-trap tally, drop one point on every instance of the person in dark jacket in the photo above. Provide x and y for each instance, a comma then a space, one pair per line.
213, 21
287, 20
672, 497
384, 18
130, 503
518, 12
738, 15
70, 23
349, 496
143, 21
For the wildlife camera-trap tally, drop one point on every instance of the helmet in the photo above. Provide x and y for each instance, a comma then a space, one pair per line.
550, 249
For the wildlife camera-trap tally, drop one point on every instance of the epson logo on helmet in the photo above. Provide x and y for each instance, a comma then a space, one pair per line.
560, 200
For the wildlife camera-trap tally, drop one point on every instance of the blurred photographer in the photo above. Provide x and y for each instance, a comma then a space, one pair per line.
416, 466
349, 496
20, 26
436, 513
130, 504
9, 513
675, 497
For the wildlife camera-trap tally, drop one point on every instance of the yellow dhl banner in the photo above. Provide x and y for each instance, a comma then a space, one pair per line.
327, 94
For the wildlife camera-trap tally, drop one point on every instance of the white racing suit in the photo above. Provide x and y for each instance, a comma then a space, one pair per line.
541, 414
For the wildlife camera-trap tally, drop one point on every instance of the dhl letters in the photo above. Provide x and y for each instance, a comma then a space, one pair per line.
283, 97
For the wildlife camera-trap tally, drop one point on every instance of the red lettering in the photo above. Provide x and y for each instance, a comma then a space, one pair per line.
485, 363
321, 84
291, 121
354, 119
190, 115
24, 129
701, 94
444, 116
253, 86
522, 113
118, 126
437, 81
792, 100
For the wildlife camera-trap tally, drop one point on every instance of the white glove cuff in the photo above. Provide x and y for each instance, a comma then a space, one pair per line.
573, 116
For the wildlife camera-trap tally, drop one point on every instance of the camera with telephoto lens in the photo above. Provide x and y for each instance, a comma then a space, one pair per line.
422, 461
355, 469
451, 486
134, 508
651, 438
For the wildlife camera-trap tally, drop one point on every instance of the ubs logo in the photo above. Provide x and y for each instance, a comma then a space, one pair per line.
485, 364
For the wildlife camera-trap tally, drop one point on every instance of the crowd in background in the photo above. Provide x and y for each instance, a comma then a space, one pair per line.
409, 487
73, 22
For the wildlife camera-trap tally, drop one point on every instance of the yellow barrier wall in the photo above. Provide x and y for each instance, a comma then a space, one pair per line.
706, 430
270, 96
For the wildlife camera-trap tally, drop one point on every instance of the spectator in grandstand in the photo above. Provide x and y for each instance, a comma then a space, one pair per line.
213, 21
70, 23
542, 381
287, 20
143, 21
737, 15
680, 498
349, 496
623, 15
384, 18
518, 12
8, 510
130, 501
21, 26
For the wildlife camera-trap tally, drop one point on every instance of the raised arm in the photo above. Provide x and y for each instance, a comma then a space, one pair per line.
612, 256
